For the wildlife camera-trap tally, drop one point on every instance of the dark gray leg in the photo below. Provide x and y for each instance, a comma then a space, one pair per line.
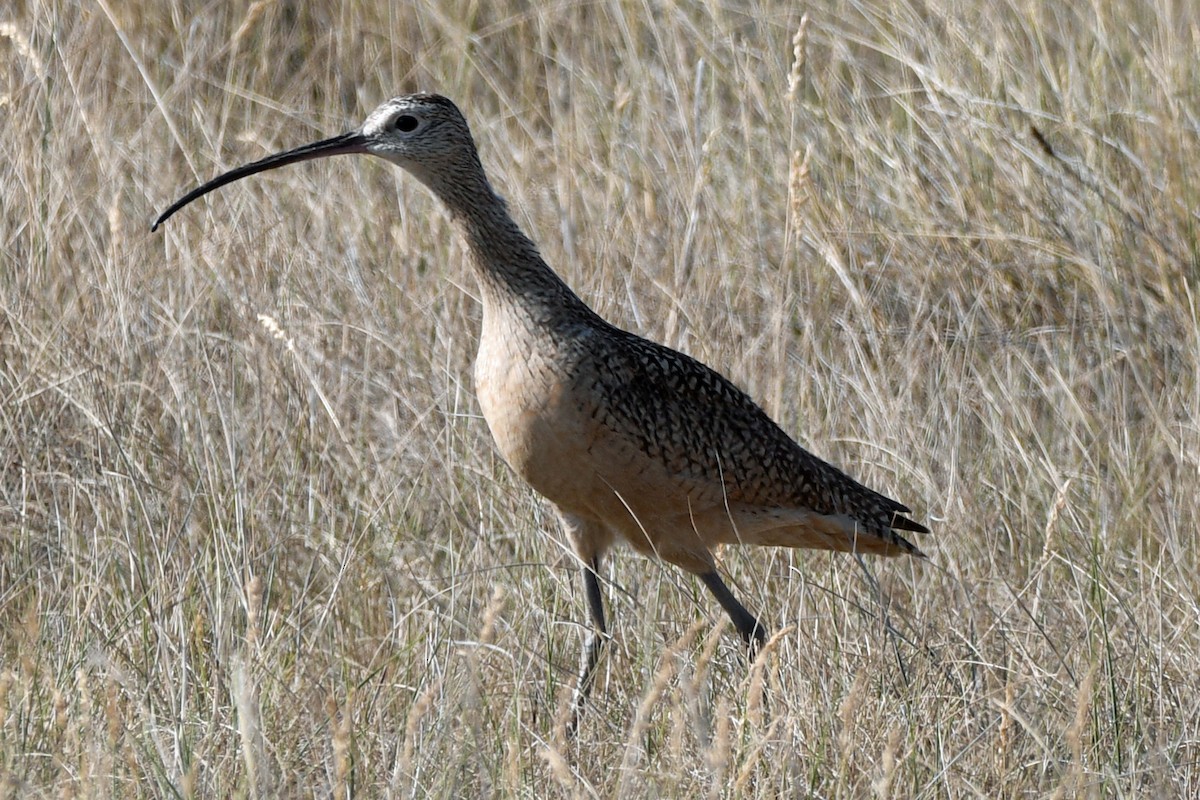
751, 630
595, 642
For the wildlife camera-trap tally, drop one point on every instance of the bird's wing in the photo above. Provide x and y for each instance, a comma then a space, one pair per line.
709, 432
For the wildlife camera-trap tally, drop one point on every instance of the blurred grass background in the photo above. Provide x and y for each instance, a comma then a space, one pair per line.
255, 542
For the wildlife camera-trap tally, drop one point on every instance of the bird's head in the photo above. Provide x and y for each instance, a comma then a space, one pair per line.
422, 133
425, 134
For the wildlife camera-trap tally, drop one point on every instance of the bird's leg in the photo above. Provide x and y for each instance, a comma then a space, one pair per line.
750, 628
591, 581
595, 642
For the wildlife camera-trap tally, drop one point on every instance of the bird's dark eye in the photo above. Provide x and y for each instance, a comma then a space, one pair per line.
406, 123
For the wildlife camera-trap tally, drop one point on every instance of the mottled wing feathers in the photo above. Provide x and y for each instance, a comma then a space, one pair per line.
705, 429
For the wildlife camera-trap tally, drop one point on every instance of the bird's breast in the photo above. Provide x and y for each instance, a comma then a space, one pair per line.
525, 382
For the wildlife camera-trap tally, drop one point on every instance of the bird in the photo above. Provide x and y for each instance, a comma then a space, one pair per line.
630, 440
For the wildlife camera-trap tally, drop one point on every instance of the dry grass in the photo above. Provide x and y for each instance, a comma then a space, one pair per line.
254, 540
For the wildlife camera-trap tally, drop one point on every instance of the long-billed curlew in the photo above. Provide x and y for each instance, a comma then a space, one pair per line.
626, 437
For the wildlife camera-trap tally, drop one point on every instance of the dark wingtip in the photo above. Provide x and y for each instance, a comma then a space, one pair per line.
896, 545
903, 523
910, 548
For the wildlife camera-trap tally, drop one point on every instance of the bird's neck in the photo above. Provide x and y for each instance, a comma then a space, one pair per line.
507, 264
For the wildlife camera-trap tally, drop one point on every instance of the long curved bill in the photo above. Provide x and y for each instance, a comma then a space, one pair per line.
352, 142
